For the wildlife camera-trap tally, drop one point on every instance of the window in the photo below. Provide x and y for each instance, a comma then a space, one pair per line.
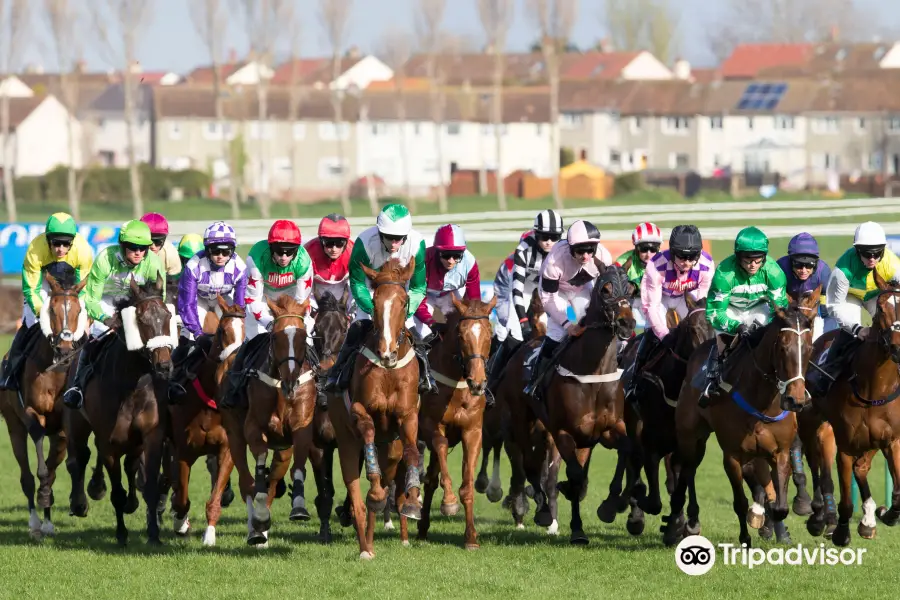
328, 131
330, 169
539, 128
750, 123
453, 128
261, 130
826, 160
379, 128
679, 160
175, 130
212, 131
893, 124
637, 124
875, 162
299, 131
571, 120
615, 158
825, 125
488, 129
283, 166
717, 160
784, 122
859, 124
676, 125
716, 123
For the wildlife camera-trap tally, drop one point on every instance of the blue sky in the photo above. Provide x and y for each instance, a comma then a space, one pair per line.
170, 42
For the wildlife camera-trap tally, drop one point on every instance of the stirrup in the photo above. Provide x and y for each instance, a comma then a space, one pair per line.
489, 400
70, 400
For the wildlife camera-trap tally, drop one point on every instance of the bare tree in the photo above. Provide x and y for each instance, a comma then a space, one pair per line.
395, 51
434, 43
496, 18
335, 18
296, 94
555, 19
210, 18
118, 25
14, 31
642, 25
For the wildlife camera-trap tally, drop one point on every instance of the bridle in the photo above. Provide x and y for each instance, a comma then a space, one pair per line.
66, 334
611, 306
782, 385
219, 335
462, 359
275, 365
402, 285
884, 334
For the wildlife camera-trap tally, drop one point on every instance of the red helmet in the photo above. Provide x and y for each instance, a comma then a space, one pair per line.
157, 223
449, 237
284, 232
334, 226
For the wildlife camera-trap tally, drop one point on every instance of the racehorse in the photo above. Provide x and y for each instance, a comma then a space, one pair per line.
196, 425
455, 414
36, 411
381, 406
496, 421
281, 395
861, 410
124, 403
752, 414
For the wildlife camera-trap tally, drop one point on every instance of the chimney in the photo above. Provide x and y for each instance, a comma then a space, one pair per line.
353, 52
835, 32
136, 67
605, 45
682, 69
232, 55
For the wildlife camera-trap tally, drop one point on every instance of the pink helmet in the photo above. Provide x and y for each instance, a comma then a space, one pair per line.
646, 233
582, 232
449, 237
157, 223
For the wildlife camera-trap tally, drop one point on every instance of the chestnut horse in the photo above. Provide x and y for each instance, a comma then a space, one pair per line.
125, 401
381, 406
36, 410
281, 393
865, 418
455, 414
196, 424
753, 416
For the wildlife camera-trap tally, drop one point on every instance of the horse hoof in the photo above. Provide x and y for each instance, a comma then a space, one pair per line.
494, 493
756, 517
507, 502
866, 532
578, 538
209, 536
553, 529
841, 535
366, 555
122, 539
651, 507
829, 531
182, 526
256, 538
886, 516
635, 527
481, 483
673, 531
621, 502
324, 537
79, 510
96, 489
473, 547
765, 532
815, 527
131, 505
376, 506
745, 540
802, 507
227, 497
344, 516
450, 510
299, 513
155, 541
607, 511
692, 528
411, 511
388, 525
543, 518
47, 529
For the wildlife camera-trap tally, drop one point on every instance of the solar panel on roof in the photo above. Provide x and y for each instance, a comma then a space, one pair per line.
762, 96
770, 104
780, 88
756, 103
764, 89
751, 89
742, 105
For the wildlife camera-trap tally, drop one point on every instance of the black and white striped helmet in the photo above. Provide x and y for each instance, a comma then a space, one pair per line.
548, 221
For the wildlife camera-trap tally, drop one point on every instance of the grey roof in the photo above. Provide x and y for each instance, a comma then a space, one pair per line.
112, 100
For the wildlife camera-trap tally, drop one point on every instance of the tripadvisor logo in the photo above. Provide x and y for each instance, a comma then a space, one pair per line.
696, 555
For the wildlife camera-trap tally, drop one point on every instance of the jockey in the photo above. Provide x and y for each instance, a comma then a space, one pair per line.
190, 244
745, 289
501, 350
58, 247
852, 289
449, 269
567, 278
159, 231
805, 271
330, 254
392, 237
647, 238
529, 256
276, 266
685, 268
109, 282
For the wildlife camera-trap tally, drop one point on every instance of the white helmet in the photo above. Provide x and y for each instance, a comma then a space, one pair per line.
869, 233
394, 219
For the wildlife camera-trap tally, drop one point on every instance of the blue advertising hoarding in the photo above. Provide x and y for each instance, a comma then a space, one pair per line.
15, 237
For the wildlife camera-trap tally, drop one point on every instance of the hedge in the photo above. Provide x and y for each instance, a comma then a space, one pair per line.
629, 182
110, 185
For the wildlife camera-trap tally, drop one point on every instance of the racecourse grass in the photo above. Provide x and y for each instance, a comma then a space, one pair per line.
83, 560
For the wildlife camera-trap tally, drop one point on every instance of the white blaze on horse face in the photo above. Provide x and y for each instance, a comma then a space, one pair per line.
476, 331
290, 331
386, 323
236, 326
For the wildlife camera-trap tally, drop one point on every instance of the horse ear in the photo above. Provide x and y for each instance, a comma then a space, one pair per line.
304, 306
879, 280
689, 302
77, 289
407, 273
628, 263
345, 299
273, 306
492, 303
51, 281
160, 283
222, 303
370, 273
601, 267
134, 287
811, 299
458, 304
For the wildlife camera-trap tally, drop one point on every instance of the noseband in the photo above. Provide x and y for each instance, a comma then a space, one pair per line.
460, 358
779, 384
146, 349
66, 335
884, 336
610, 306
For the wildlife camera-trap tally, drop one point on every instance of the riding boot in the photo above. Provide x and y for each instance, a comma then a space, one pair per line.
12, 362
355, 336
818, 383
498, 361
73, 397
537, 372
183, 360
427, 384
713, 375
237, 376
645, 348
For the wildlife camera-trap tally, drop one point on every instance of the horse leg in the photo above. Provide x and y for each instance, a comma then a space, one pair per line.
281, 463
535, 457
181, 502
409, 430
651, 503
57, 456
96, 487
670, 475
867, 524
889, 516
391, 503
551, 491
133, 468
482, 481
637, 491
734, 470
494, 491
78, 455
518, 504
432, 479
37, 433
449, 503
692, 526
781, 476
348, 455
18, 435
117, 496
577, 481
215, 502
827, 455
471, 440
613, 503
841, 535
321, 462
153, 456
302, 440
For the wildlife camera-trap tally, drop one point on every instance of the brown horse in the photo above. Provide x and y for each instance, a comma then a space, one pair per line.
753, 416
865, 418
281, 395
455, 414
122, 403
36, 410
381, 406
196, 423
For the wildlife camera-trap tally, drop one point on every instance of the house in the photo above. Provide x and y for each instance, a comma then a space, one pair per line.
13, 87
837, 58
105, 124
406, 151
640, 65
748, 60
354, 71
39, 136
248, 72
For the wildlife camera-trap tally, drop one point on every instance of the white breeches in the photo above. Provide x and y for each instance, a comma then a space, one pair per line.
849, 312
669, 303
107, 303
28, 318
579, 301
201, 317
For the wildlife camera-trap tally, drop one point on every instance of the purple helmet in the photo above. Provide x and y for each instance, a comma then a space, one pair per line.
219, 232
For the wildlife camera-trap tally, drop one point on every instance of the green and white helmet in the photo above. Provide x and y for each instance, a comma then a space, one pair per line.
394, 219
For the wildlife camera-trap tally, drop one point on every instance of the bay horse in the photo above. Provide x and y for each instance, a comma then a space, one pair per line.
281, 395
861, 408
36, 410
196, 424
455, 414
753, 414
125, 402
379, 414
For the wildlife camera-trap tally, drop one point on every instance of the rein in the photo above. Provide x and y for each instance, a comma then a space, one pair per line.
304, 376
884, 342
462, 360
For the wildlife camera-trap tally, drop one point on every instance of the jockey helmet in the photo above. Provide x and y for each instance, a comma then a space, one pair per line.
646, 233
60, 225
334, 226
395, 220
803, 244
548, 221
135, 232
869, 234
219, 233
285, 233
685, 240
190, 244
449, 237
157, 224
582, 232
751, 242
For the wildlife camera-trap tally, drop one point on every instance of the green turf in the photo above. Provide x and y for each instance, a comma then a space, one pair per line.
83, 560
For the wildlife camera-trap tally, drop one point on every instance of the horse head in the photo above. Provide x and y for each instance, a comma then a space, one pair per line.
331, 328
791, 333
62, 312
287, 351
610, 304
473, 339
149, 326
389, 302
230, 332
886, 321
536, 316
694, 328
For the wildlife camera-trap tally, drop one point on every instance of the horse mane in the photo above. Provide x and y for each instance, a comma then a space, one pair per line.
289, 304
328, 303
390, 271
792, 313
535, 306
